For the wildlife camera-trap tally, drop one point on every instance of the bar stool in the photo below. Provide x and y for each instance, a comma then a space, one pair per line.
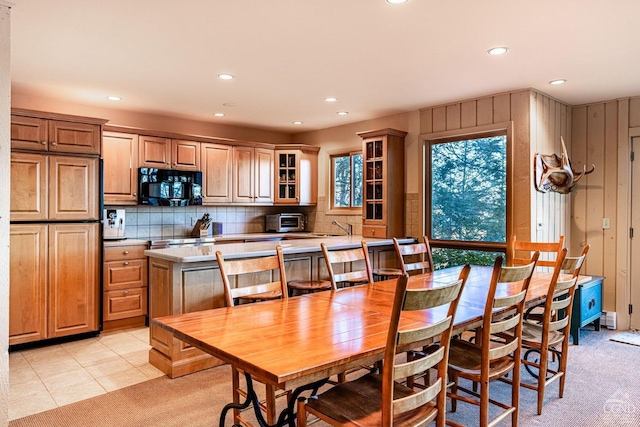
308, 286
386, 273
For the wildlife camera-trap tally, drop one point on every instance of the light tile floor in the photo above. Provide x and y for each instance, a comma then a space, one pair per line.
48, 377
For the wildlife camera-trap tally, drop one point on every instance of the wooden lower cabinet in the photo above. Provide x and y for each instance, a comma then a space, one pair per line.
54, 283
125, 287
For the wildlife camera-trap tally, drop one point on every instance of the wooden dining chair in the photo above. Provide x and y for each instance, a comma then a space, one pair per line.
268, 281
267, 277
519, 252
350, 274
497, 348
414, 257
381, 400
547, 341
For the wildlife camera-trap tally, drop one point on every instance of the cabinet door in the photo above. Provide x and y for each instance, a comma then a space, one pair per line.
216, 173
185, 155
308, 178
243, 174
287, 176
29, 192
73, 188
73, 278
71, 137
29, 133
155, 152
120, 168
28, 285
263, 186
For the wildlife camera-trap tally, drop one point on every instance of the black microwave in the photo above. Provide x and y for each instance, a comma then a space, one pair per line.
168, 187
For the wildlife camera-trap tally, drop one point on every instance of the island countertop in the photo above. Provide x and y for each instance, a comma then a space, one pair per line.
265, 248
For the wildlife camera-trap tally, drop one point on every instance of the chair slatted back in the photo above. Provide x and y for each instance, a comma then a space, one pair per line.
348, 256
558, 305
414, 257
513, 283
271, 267
398, 339
519, 252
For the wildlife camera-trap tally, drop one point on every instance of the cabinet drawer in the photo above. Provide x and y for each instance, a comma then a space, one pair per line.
374, 231
125, 274
590, 301
117, 253
125, 303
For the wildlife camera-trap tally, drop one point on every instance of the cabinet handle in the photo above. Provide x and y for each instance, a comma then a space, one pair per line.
373, 232
44, 142
126, 263
135, 194
126, 252
54, 143
126, 292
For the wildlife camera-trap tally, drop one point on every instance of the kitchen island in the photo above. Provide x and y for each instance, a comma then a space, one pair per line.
183, 280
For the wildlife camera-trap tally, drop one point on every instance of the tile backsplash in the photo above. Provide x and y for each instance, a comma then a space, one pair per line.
163, 222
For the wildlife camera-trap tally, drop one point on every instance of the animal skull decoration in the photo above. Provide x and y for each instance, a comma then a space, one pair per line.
553, 173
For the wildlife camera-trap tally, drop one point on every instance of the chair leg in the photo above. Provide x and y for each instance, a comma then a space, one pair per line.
542, 378
484, 403
301, 418
515, 391
235, 375
454, 391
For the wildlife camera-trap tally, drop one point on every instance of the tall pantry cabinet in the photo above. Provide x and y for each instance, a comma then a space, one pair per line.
55, 230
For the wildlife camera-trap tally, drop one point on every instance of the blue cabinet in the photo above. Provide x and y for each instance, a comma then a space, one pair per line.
587, 306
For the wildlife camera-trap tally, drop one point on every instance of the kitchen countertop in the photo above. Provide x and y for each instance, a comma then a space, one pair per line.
125, 242
292, 245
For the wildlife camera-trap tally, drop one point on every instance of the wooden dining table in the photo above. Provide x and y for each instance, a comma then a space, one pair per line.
297, 343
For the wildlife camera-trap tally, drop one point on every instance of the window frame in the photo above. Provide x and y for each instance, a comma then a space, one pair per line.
339, 210
496, 129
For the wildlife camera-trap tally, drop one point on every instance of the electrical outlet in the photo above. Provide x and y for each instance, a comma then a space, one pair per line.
606, 223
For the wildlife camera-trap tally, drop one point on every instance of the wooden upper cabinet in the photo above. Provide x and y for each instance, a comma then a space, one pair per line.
185, 155
120, 168
40, 134
29, 187
73, 188
155, 152
71, 137
29, 133
296, 175
383, 181
252, 175
216, 173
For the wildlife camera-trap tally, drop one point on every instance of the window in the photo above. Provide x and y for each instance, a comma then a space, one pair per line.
346, 179
467, 212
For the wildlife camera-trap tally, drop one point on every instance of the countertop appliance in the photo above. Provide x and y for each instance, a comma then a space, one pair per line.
114, 223
168, 187
285, 222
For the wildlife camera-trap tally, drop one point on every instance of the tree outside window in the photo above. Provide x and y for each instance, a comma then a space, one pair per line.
468, 199
346, 174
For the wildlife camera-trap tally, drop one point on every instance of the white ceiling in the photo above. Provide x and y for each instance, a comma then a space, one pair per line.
288, 55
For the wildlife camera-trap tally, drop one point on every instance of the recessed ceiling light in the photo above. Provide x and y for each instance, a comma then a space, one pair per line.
297, 122
396, 1
557, 82
331, 99
218, 114
498, 50
342, 113
225, 76
114, 98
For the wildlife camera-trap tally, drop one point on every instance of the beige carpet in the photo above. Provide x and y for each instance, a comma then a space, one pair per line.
628, 337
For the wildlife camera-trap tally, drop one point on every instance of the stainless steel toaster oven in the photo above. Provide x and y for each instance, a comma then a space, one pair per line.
284, 222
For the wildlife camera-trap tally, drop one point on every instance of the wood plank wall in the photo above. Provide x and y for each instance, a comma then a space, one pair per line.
538, 123
595, 141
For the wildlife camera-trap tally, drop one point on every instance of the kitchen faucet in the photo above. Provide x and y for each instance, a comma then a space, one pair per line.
347, 229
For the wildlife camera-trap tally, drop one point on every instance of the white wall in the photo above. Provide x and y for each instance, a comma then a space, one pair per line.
5, 174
